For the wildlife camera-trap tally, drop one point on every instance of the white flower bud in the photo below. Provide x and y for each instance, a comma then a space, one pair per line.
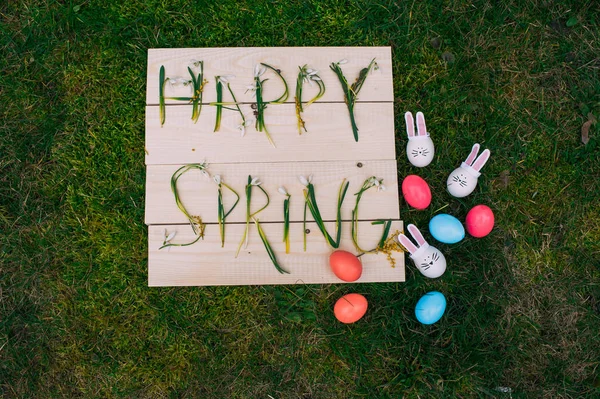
255, 182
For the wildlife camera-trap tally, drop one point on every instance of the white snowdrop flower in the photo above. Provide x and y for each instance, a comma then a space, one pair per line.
226, 78
176, 81
205, 173
242, 130
315, 78
282, 191
311, 72
259, 70
255, 182
169, 237
342, 61
183, 82
381, 187
303, 180
217, 179
251, 88
242, 126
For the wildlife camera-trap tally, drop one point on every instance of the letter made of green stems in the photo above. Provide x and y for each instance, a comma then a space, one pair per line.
351, 91
251, 216
196, 82
195, 221
261, 105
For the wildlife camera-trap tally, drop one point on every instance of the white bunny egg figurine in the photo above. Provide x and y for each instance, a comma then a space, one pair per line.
419, 149
463, 180
429, 260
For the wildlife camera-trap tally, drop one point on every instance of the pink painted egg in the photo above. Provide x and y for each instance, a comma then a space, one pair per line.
480, 221
345, 265
350, 308
416, 192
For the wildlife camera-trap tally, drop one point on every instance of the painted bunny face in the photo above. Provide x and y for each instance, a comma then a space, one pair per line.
429, 260
463, 180
419, 149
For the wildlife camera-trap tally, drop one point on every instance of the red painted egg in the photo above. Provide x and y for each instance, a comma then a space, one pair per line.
350, 308
416, 192
480, 221
345, 265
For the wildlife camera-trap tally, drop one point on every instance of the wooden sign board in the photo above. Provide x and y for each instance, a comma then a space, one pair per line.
327, 151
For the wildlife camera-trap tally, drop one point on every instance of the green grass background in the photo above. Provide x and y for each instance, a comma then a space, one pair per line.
76, 316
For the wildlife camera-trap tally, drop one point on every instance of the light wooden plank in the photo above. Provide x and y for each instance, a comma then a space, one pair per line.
329, 135
199, 193
206, 263
240, 62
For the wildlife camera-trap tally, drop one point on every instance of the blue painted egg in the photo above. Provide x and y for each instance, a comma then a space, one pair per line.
446, 228
431, 307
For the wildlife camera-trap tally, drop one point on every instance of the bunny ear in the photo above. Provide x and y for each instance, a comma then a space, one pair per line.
421, 128
416, 234
473, 154
410, 124
481, 160
410, 247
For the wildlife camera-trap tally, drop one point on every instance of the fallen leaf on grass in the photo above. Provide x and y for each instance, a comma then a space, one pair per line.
585, 129
448, 57
435, 43
504, 178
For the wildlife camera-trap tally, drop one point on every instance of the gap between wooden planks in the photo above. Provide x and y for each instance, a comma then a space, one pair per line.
206, 263
199, 193
241, 61
329, 135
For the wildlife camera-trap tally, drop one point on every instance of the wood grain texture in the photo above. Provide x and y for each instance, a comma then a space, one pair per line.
329, 135
241, 61
206, 263
199, 193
